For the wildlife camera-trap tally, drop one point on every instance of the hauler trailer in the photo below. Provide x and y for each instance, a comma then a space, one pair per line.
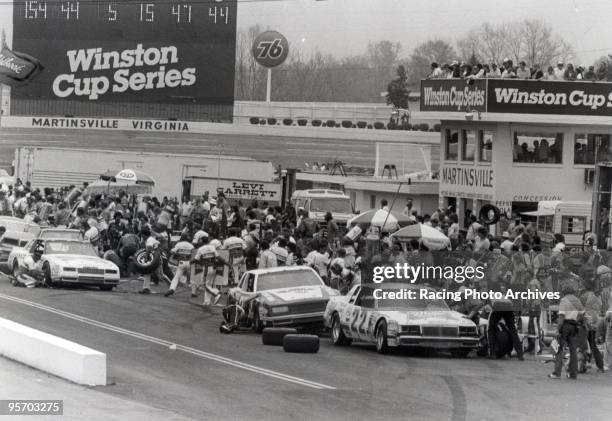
175, 175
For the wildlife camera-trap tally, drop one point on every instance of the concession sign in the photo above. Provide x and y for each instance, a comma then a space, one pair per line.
107, 51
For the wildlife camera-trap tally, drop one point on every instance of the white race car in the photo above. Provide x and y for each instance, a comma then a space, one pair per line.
426, 323
281, 296
67, 262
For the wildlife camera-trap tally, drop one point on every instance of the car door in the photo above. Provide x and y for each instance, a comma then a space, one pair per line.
361, 313
347, 314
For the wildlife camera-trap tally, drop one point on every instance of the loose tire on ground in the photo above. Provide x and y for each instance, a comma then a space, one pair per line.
146, 262
307, 344
486, 218
274, 335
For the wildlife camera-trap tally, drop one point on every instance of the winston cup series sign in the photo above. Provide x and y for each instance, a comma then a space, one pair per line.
140, 52
517, 96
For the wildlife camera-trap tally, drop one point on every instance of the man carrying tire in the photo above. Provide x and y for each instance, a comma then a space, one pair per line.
151, 247
206, 257
182, 251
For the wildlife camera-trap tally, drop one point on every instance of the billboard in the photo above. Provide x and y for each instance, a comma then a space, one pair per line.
518, 96
549, 97
100, 52
453, 95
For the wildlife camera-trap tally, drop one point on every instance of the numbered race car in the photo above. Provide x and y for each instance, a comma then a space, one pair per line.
363, 315
281, 296
66, 261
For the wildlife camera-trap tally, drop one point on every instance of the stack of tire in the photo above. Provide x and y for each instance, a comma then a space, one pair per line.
290, 340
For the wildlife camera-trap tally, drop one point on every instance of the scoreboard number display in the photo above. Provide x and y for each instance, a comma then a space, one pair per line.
166, 51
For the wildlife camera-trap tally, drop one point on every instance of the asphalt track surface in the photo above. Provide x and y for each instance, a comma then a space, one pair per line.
290, 152
167, 353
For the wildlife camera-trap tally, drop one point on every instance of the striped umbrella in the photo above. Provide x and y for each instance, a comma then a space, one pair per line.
391, 220
128, 176
431, 237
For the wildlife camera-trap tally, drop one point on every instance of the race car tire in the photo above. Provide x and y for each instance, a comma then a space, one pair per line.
460, 352
305, 344
15, 268
258, 326
274, 335
382, 346
337, 335
484, 214
47, 276
146, 262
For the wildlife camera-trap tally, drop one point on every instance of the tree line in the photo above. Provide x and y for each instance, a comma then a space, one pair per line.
365, 77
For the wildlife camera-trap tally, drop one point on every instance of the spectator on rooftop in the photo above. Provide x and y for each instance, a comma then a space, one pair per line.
495, 73
523, 72
550, 74
560, 71
436, 71
508, 71
589, 74
570, 72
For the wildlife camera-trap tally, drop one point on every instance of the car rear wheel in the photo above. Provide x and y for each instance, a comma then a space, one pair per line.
382, 346
338, 336
258, 326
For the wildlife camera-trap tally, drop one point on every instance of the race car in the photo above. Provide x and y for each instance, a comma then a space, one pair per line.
281, 296
367, 315
18, 233
66, 262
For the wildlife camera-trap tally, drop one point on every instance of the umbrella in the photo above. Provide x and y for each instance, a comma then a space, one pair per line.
108, 187
128, 176
377, 217
431, 237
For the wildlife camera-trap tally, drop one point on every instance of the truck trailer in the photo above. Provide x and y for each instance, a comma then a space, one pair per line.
175, 175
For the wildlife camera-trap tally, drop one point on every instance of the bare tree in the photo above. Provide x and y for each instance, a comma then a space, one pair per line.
530, 40
250, 76
419, 63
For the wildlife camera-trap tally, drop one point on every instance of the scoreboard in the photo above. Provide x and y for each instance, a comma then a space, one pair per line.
140, 54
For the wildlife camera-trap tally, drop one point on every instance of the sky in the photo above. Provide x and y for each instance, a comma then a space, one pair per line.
345, 27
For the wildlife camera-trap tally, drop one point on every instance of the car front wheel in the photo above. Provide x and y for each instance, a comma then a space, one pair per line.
338, 336
48, 280
382, 346
258, 326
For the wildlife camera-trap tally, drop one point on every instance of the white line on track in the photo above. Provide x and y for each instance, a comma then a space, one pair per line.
187, 349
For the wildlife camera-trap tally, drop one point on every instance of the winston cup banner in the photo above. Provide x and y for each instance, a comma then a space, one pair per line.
108, 52
17, 69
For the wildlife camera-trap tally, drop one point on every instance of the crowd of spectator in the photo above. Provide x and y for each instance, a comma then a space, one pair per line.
508, 70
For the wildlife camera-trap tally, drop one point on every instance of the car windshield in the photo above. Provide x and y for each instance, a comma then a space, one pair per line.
275, 280
19, 226
331, 205
57, 247
61, 234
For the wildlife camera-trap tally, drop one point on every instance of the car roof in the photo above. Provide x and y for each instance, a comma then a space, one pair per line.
62, 240
280, 269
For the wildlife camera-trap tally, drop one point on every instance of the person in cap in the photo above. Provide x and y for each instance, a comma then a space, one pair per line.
506, 244
570, 312
560, 71
182, 251
5, 205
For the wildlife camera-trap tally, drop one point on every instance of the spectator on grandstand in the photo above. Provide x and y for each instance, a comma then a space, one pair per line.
508, 71
549, 74
523, 72
560, 71
495, 73
570, 72
436, 71
589, 74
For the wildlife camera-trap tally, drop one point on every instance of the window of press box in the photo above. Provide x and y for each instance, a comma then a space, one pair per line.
452, 145
591, 148
468, 145
485, 146
573, 224
535, 147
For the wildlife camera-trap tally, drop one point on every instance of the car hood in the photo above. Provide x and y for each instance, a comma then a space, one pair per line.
80, 260
428, 318
296, 294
